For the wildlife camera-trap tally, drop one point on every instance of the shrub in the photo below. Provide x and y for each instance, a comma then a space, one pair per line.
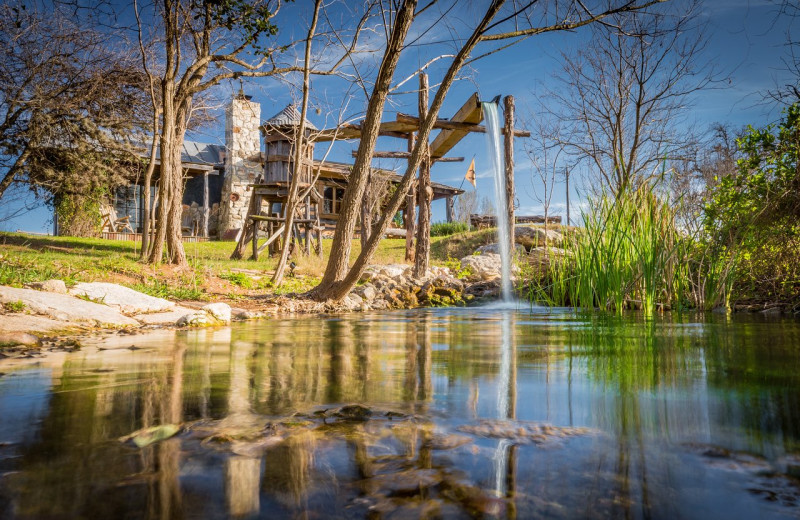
443, 229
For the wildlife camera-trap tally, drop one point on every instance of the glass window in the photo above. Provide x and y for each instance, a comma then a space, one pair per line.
327, 200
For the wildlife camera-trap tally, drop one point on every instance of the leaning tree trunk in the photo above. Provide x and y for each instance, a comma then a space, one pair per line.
338, 262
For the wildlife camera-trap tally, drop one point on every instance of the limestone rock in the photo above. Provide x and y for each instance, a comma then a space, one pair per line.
195, 319
529, 236
55, 286
122, 298
483, 267
163, 318
220, 311
65, 307
211, 314
19, 338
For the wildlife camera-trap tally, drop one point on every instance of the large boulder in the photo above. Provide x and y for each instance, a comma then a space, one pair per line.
211, 314
66, 308
122, 298
483, 267
530, 236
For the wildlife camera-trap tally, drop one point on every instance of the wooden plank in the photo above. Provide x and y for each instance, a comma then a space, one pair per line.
405, 155
470, 112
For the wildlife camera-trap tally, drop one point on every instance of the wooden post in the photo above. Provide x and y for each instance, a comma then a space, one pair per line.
449, 208
411, 202
508, 138
423, 250
206, 209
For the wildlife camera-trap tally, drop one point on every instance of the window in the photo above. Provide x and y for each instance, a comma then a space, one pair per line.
332, 200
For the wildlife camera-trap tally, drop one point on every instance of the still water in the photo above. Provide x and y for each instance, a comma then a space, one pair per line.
471, 413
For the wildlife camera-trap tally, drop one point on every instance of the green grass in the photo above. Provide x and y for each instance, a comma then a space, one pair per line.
32, 258
17, 306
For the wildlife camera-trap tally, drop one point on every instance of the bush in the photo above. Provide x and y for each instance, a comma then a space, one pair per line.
443, 229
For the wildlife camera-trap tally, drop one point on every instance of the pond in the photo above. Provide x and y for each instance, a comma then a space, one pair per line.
445, 413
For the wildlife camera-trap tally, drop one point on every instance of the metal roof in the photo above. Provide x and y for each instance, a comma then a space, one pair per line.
289, 116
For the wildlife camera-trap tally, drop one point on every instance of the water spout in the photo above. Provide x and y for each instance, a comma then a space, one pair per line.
492, 117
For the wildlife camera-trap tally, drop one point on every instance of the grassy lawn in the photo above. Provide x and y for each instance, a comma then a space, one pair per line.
30, 258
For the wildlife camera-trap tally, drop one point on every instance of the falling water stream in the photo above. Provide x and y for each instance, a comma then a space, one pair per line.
492, 117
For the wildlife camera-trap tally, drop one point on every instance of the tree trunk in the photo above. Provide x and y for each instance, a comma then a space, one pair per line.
148, 178
422, 256
339, 260
366, 217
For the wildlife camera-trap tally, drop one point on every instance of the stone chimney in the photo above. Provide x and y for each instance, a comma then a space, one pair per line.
242, 162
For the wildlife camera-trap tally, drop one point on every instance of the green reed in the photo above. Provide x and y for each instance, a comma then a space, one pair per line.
631, 254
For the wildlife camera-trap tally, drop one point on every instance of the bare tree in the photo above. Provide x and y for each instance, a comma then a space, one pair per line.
624, 94
546, 151
69, 100
339, 278
466, 205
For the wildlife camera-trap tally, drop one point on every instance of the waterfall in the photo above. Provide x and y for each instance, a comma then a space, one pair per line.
494, 144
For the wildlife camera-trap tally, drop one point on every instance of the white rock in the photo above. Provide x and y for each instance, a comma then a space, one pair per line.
55, 286
530, 236
220, 311
163, 318
195, 319
482, 267
122, 298
65, 307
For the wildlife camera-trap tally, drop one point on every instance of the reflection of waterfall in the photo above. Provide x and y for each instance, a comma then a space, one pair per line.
505, 406
491, 114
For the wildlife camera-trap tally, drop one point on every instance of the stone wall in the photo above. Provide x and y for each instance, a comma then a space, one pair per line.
242, 163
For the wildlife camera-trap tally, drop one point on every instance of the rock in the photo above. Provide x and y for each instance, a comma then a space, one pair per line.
163, 318
126, 300
447, 442
772, 311
481, 267
195, 319
495, 249
367, 292
353, 412
151, 435
66, 308
220, 311
530, 236
409, 482
19, 338
211, 314
55, 286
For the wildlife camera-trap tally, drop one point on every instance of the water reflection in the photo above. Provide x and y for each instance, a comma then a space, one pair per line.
461, 413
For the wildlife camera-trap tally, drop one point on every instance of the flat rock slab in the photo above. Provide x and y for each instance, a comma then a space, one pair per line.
164, 318
30, 323
122, 298
66, 308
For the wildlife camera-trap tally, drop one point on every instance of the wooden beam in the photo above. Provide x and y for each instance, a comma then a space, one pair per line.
406, 155
467, 127
470, 112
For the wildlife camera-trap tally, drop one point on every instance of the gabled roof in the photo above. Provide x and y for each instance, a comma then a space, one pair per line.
289, 116
193, 152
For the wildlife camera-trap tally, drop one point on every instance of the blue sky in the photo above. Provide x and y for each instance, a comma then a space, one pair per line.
746, 43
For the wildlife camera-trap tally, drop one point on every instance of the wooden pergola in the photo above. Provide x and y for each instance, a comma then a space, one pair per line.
467, 119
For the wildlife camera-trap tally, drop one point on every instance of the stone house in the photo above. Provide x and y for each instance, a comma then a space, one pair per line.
218, 178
